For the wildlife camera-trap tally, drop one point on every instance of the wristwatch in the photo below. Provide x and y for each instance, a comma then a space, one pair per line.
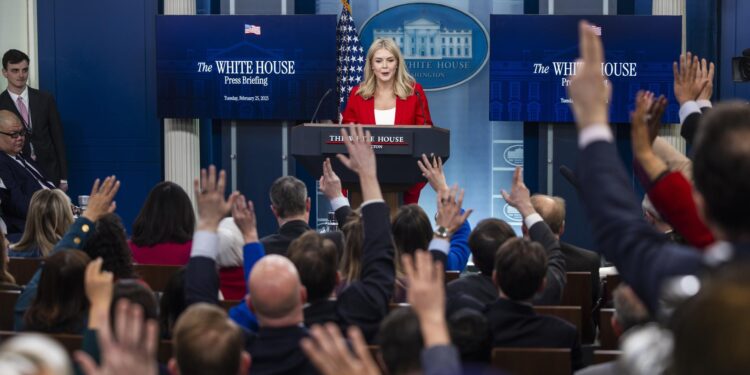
442, 232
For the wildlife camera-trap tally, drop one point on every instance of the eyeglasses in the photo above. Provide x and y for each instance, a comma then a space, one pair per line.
14, 135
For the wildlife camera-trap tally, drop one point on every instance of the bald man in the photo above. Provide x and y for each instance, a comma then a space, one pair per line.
20, 176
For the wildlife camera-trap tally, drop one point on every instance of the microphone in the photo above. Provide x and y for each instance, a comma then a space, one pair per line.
570, 176
315, 114
421, 107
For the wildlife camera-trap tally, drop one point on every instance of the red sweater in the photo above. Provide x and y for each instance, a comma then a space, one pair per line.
231, 281
672, 196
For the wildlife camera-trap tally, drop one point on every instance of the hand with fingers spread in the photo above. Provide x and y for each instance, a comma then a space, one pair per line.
132, 350
449, 214
432, 170
589, 90
99, 289
244, 216
687, 86
706, 74
426, 295
519, 197
330, 183
327, 350
101, 198
209, 193
641, 130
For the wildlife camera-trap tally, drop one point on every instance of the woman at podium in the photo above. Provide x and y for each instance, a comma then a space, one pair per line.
388, 95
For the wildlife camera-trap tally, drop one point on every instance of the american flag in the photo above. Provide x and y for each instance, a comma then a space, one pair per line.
350, 55
252, 29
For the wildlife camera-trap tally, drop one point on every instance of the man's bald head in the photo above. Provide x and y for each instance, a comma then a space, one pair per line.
551, 209
14, 133
8, 118
276, 292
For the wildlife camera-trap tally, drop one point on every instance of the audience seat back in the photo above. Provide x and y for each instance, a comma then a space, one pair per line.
578, 293
532, 361
8, 300
23, 269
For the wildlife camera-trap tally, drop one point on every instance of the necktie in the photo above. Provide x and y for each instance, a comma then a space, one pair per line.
38, 176
23, 111
26, 122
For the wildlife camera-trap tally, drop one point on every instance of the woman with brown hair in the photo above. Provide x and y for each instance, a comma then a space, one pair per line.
49, 217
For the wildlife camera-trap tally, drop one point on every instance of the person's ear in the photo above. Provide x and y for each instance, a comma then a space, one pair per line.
494, 278
172, 366
303, 294
307, 204
562, 228
616, 327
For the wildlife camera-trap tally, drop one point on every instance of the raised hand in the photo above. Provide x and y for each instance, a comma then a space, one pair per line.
131, 351
449, 204
209, 193
361, 158
101, 198
686, 85
642, 132
426, 295
589, 90
244, 216
328, 351
519, 196
330, 183
99, 288
433, 172
706, 73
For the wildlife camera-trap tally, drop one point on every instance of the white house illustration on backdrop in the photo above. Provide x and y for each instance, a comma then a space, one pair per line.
425, 39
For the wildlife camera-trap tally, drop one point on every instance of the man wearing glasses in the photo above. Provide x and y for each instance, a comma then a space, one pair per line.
19, 177
38, 113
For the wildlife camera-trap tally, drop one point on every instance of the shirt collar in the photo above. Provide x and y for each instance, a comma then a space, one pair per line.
24, 95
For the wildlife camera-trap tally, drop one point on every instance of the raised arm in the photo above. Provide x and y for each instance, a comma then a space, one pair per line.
201, 277
330, 185
520, 199
365, 302
641, 254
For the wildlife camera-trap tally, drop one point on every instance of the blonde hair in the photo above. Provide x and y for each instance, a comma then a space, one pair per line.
48, 219
403, 86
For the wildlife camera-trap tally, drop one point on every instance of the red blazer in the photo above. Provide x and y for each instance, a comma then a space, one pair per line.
408, 111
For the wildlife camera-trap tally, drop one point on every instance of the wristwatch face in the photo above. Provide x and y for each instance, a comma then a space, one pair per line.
441, 232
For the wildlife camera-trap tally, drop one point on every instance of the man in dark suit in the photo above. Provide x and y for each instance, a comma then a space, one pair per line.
520, 269
291, 207
20, 177
38, 112
552, 210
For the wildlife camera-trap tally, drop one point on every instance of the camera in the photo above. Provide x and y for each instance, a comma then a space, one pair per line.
741, 67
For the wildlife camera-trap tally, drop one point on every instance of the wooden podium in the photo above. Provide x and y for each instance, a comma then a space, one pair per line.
397, 149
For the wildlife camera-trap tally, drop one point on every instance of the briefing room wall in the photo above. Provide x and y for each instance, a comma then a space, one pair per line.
97, 58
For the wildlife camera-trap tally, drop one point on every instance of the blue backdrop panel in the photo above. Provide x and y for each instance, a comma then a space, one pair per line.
97, 58
531, 57
245, 67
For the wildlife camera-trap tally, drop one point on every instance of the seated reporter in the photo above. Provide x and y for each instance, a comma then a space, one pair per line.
20, 177
49, 218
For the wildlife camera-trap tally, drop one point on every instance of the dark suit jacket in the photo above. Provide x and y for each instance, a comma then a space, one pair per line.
46, 133
364, 303
517, 325
276, 351
581, 260
278, 243
643, 256
20, 185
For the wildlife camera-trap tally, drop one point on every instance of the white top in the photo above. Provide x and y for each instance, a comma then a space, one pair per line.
385, 116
